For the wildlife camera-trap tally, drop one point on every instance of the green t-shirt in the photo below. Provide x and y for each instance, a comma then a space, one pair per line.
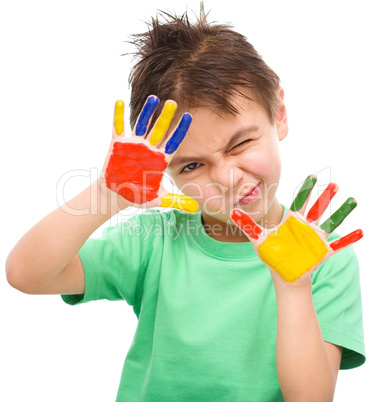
207, 309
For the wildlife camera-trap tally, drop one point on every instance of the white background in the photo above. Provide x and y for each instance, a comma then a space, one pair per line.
61, 72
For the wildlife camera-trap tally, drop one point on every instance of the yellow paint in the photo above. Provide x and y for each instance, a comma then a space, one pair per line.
181, 202
163, 122
293, 249
118, 117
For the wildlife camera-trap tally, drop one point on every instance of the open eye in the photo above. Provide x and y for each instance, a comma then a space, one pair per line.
191, 166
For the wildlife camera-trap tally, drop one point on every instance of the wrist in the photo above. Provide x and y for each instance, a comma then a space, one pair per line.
109, 202
294, 302
302, 286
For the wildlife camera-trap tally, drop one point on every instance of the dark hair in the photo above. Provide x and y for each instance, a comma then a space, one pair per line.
199, 65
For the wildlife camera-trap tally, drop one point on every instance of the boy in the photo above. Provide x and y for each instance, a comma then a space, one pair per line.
214, 323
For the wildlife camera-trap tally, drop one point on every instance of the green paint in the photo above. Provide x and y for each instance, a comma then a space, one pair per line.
303, 193
339, 216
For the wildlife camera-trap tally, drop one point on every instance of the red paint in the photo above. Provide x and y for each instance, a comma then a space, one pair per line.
322, 203
246, 223
347, 240
135, 172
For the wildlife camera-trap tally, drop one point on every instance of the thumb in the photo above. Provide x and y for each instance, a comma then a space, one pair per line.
180, 201
166, 199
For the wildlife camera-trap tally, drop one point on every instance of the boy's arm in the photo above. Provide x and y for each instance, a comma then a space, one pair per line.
45, 260
307, 367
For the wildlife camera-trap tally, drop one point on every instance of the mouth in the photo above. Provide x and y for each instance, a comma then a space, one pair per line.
251, 197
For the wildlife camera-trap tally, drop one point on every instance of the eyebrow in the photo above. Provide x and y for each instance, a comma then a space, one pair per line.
232, 141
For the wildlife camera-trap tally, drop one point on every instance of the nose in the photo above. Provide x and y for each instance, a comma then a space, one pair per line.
227, 175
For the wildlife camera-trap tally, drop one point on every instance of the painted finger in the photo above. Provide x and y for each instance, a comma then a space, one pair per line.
145, 116
163, 122
322, 203
178, 135
339, 216
119, 125
181, 202
347, 240
301, 200
246, 223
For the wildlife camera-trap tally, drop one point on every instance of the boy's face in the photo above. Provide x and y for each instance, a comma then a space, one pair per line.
223, 159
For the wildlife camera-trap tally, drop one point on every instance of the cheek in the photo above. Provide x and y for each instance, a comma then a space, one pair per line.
200, 189
193, 188
264, 162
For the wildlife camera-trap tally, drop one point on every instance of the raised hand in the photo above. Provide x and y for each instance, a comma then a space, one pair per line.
135, 165
298, 246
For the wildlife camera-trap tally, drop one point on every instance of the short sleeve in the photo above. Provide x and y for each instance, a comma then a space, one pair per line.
337, 299
115, 263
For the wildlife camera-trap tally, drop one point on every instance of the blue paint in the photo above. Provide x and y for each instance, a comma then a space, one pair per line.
146, 113
179, 134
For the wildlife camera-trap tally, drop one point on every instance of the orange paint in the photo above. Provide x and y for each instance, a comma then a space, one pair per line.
135, 172
347, 240
246, 223
322, 203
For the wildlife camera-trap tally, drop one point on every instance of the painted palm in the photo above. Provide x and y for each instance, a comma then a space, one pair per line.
135, 165
299, 245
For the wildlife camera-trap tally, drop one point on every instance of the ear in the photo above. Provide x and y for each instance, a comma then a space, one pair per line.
281, 118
